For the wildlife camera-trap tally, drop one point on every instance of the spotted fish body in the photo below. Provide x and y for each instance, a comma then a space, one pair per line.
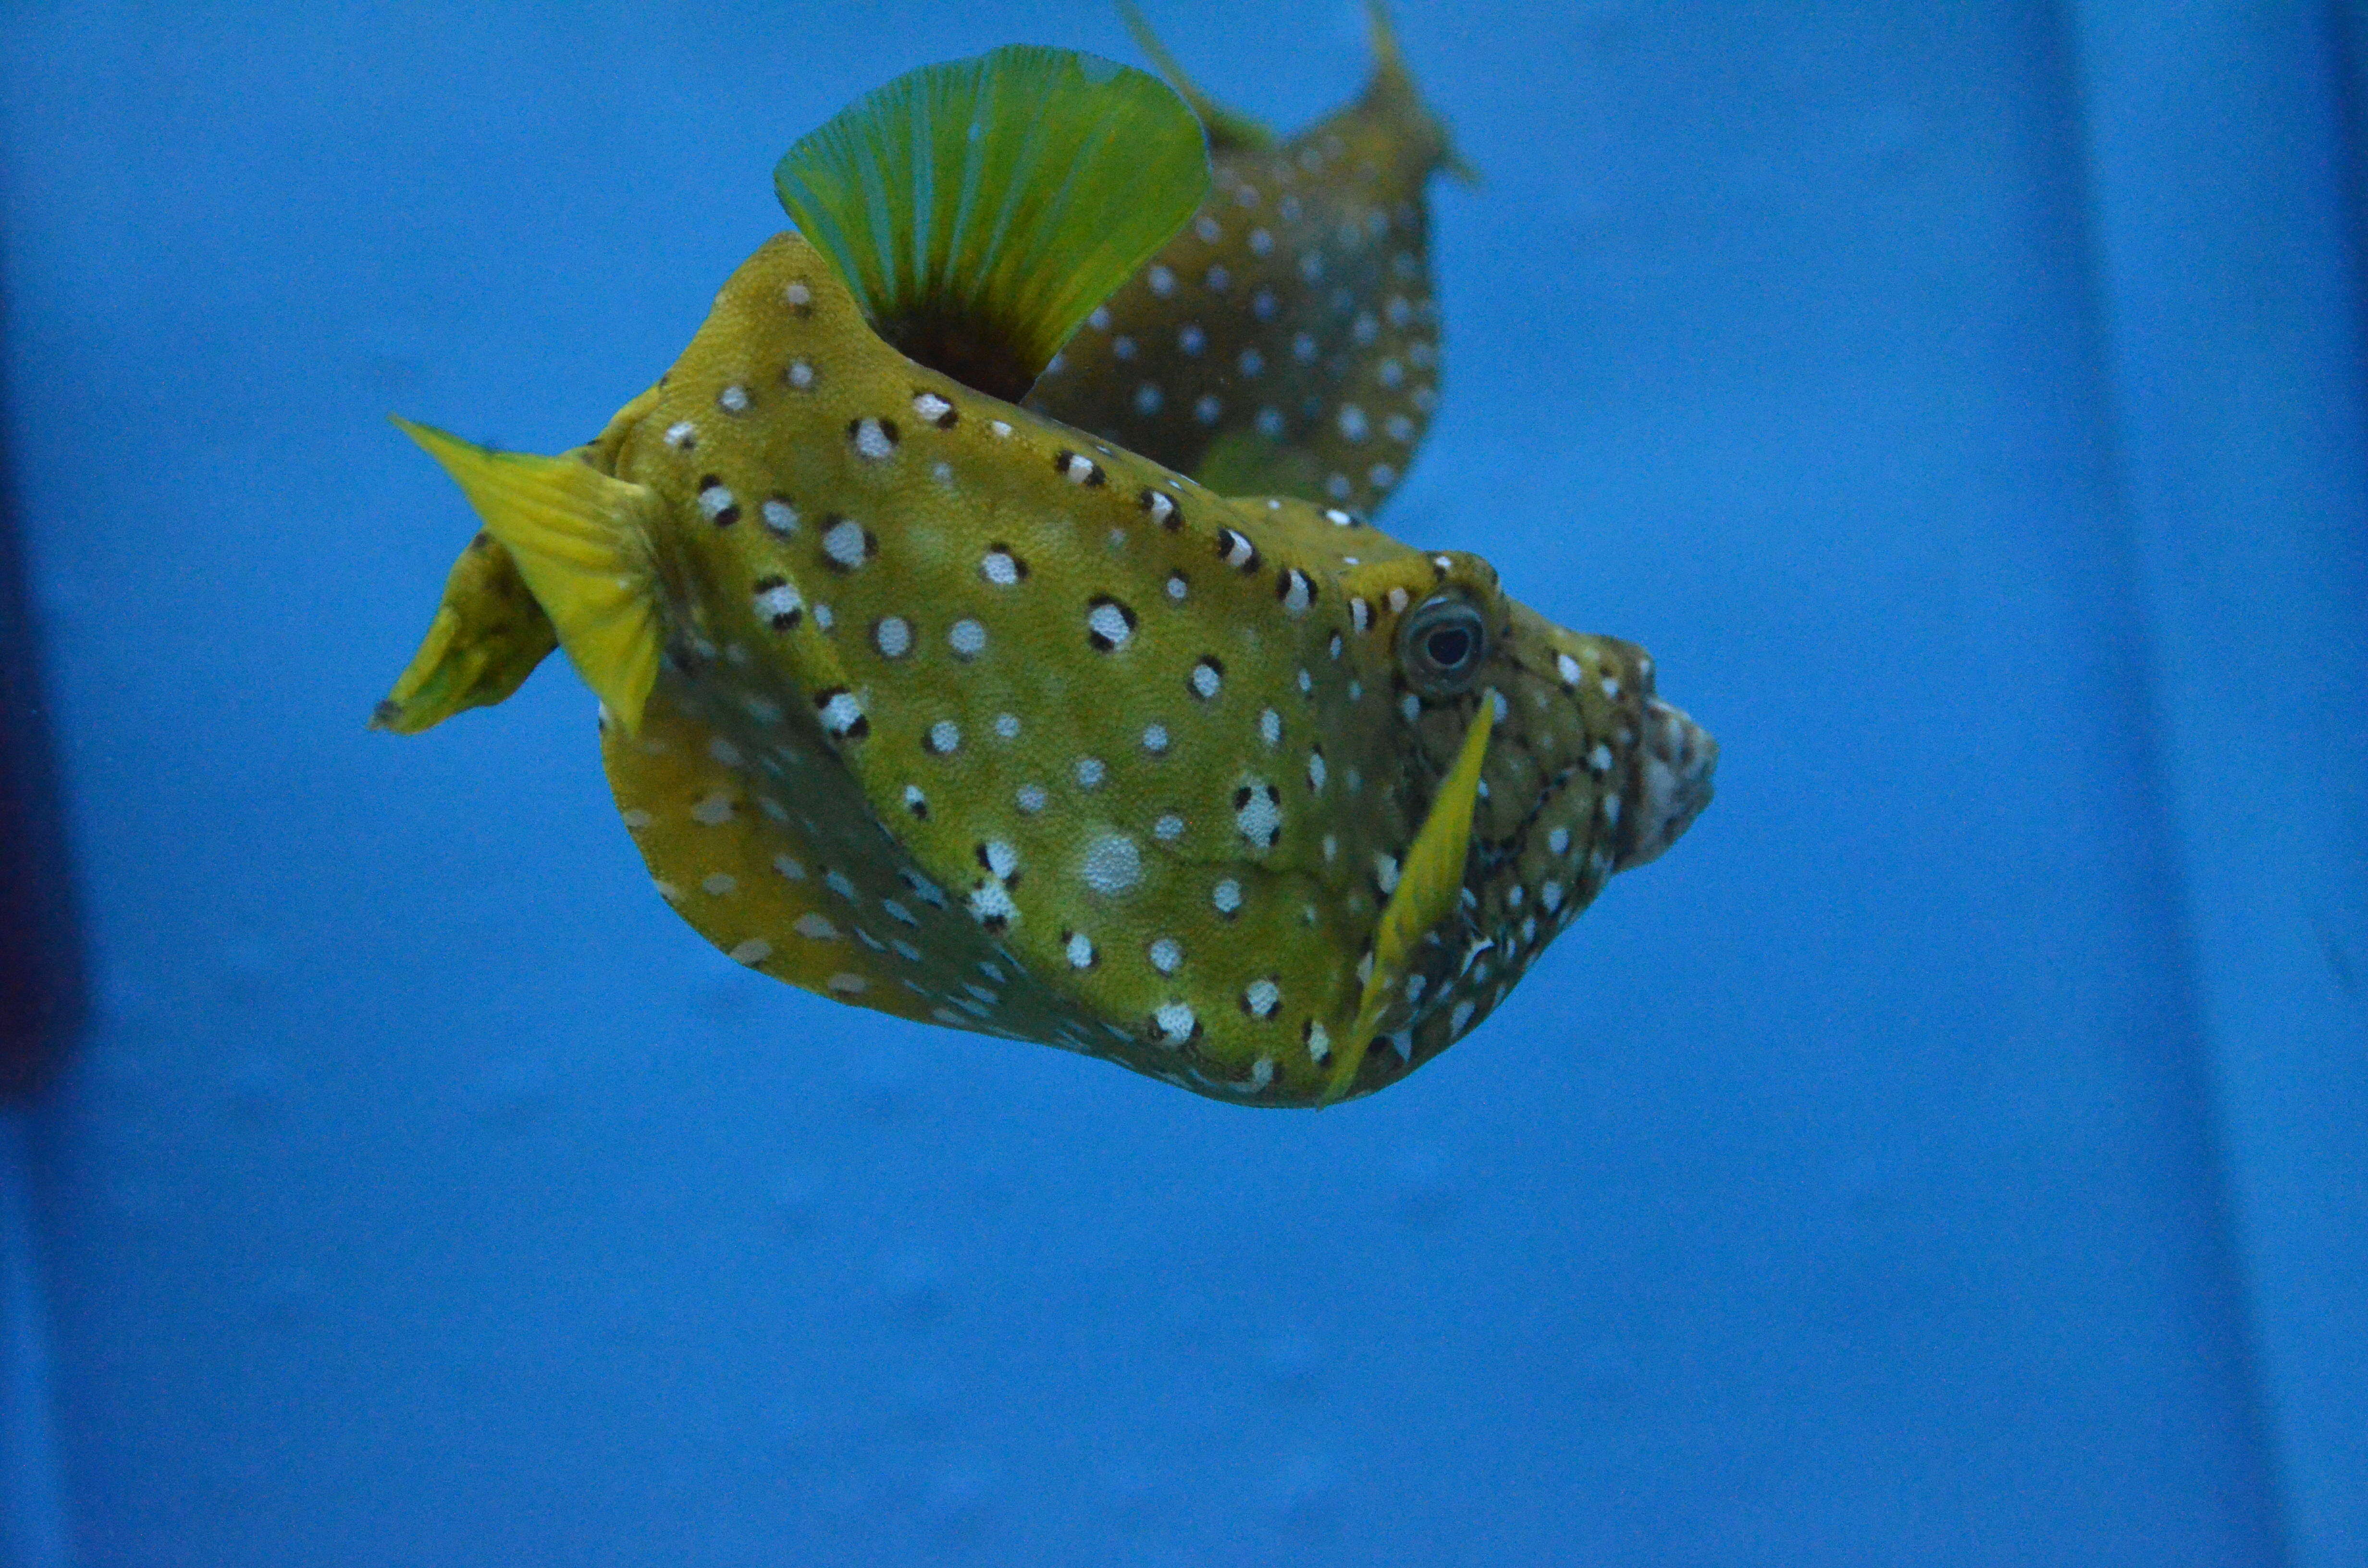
934, 705
1220, 357
1287, 340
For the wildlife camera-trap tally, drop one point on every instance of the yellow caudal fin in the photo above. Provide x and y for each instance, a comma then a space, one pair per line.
1429, 882
581, 541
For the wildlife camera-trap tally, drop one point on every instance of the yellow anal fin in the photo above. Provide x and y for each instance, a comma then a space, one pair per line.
1429, 882
581, 541
746, 880
488, 635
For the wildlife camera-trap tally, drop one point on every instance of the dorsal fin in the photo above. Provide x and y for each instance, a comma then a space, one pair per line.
980, 209
1392, 90
1228, 131
1429, 880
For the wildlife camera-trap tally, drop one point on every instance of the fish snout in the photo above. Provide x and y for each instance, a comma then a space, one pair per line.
1676, 758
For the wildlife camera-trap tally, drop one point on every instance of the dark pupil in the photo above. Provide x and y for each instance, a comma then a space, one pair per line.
1449, 646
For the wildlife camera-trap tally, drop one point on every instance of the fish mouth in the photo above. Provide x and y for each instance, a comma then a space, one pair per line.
1676, 760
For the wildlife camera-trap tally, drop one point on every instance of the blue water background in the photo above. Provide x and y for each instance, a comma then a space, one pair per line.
1867, 1182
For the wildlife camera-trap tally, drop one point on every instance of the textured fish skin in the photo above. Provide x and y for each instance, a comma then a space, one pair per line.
932, 734
1287, 341
1321, 389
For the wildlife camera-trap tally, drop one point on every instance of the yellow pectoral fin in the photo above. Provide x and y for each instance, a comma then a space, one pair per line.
488, 635
1429, 882
581, 541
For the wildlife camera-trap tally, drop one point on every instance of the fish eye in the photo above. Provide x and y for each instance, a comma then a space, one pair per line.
1443, 643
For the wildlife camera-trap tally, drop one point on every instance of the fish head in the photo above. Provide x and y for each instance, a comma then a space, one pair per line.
1585, 773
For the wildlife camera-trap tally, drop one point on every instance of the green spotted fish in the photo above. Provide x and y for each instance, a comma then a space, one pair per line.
1285, 342
932, 704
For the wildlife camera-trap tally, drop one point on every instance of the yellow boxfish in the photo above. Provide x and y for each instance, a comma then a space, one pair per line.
1286, 342
933, 704
1300, 365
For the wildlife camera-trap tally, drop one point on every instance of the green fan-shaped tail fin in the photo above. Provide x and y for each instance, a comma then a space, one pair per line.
581, 541
1429, 882
1392, 90
1228, 131
488, 637
978, 210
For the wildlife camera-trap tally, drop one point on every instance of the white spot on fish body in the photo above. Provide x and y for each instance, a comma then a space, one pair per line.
1163, 281
1111, 626
991, 905
967, 638
846, 544
1166, 955
1112, 865
1175, 1023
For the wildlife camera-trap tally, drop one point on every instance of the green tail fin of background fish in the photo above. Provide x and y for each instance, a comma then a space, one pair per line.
929, 703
